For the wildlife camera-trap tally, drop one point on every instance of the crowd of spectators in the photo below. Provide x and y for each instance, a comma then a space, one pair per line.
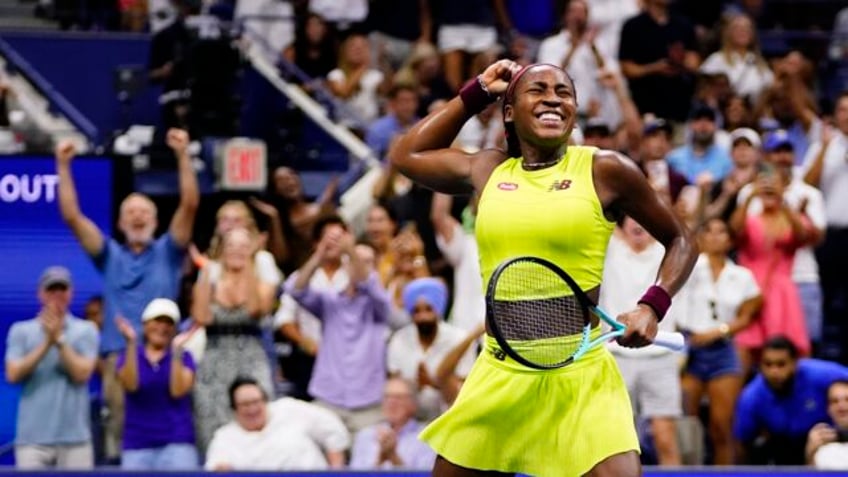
305, 342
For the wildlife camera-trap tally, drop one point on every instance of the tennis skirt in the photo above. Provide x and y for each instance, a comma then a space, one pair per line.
562, 422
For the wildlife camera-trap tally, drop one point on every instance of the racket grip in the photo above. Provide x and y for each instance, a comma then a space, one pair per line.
670, 340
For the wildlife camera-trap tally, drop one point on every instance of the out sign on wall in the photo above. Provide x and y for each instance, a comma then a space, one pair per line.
244, 165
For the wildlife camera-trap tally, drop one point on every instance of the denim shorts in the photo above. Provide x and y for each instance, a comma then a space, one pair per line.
717, 359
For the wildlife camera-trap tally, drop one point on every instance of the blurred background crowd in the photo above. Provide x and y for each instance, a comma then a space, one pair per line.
276, 330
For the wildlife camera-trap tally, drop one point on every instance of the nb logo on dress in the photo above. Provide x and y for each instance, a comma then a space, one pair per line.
560, 185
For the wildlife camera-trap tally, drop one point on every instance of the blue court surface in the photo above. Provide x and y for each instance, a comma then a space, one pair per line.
649, 472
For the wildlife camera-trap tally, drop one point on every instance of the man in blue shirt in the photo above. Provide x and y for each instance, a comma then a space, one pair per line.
701, 155
134, 272
782, 404
403, 103
52, 355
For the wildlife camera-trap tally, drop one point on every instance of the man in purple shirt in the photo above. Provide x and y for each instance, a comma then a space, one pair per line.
350, 368
394, 443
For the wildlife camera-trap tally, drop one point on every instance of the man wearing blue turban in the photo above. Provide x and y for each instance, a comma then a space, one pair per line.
417, 350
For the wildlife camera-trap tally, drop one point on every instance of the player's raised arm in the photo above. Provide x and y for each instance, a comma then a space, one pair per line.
423, 154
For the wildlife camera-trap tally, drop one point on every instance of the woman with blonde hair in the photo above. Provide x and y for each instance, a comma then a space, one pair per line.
423, 71
230, 306
740, 59
356, 82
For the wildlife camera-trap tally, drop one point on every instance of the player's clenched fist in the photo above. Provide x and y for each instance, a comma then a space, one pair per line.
496, 77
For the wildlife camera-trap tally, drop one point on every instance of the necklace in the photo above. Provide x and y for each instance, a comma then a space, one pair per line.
540, 165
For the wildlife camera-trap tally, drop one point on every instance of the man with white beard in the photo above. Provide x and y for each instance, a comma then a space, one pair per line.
136, 271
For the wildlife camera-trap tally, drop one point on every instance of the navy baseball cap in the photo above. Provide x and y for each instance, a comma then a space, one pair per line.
702, 111
777, 140
657, 124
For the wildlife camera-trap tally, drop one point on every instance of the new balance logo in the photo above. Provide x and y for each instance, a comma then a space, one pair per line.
560, 185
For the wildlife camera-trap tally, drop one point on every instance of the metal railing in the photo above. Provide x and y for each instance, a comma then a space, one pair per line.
53, 96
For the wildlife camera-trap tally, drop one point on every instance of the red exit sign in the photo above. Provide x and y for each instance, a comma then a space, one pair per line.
244, 165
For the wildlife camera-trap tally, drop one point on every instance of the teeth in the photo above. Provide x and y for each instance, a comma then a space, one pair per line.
549, 117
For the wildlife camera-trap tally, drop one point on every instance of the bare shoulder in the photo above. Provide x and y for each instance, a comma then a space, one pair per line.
615, 175
613, 165
483, 164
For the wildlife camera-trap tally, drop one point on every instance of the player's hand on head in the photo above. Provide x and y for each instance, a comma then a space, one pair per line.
496, 77
641, 325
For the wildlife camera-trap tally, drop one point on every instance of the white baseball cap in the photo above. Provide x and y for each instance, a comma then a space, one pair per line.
747, 134
160, 307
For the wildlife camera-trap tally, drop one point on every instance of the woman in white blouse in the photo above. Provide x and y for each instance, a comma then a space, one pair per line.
357, 83
740, 59
721, 299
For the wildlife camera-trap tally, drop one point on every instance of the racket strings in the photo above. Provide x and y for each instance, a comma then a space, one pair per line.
536, 312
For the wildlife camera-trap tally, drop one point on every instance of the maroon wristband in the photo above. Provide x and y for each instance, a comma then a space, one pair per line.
658, 299
474, 96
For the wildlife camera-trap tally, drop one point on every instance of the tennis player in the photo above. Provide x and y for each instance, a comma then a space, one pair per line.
547, 199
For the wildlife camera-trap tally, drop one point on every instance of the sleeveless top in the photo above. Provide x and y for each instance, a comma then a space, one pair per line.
552, 213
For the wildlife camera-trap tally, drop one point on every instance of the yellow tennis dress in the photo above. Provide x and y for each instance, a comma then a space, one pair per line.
511, 418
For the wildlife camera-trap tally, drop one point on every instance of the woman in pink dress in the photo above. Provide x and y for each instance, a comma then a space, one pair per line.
768, 233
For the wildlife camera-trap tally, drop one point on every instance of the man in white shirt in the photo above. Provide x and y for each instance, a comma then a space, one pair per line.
806, 199
826, 167
456, 241
651, 373
827, 446
286, 434
416, 350
575, 49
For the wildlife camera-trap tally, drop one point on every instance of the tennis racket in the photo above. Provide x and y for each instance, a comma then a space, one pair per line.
542, 319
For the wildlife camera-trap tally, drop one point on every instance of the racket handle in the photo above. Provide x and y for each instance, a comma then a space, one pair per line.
670, 340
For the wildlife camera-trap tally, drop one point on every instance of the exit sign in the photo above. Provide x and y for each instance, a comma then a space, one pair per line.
244, 165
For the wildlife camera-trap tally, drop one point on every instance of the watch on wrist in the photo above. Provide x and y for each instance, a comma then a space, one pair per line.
724, 329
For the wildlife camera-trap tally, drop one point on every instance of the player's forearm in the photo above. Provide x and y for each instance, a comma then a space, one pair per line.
680, 256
